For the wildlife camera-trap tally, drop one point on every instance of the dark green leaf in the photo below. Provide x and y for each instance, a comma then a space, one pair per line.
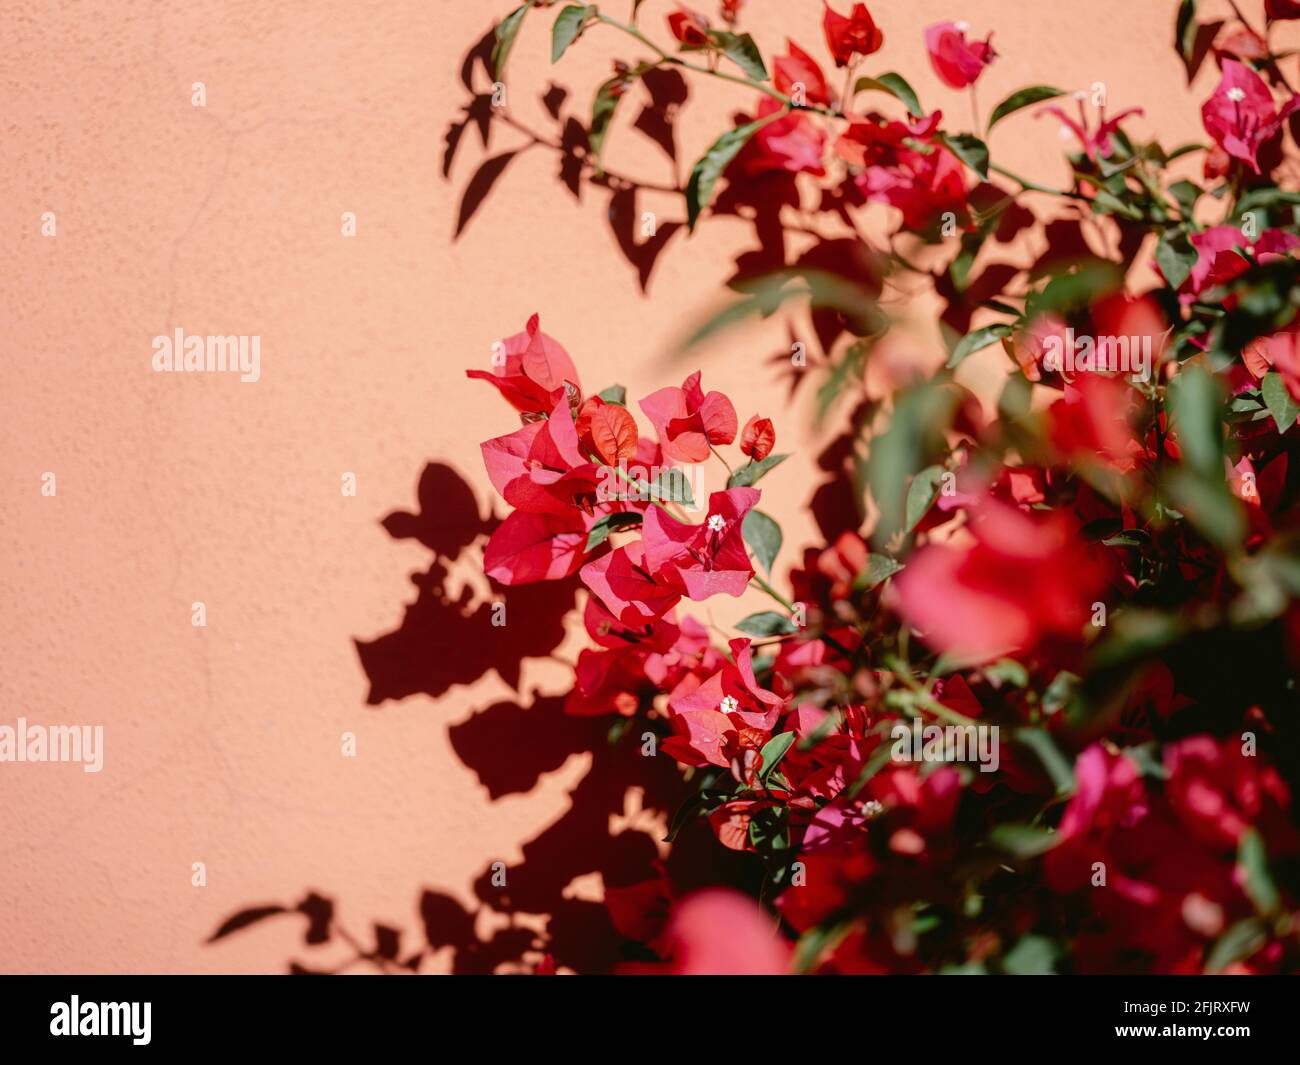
763, 535
1024, 98
705, 173
976, 340
1195, 406
1236, 944
879, 569
1257, 881
741, 50
506, 32
568, 24
1175, 256
1057, 765
773, 751
1023, 841
970, 150
766, 623
750, 473
1185, 30
1031, 956
894, 84
1279, 401
609, 523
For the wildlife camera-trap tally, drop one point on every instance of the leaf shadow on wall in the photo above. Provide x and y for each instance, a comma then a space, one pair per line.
444, 641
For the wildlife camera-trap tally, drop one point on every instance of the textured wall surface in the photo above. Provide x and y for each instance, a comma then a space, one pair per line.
222, 743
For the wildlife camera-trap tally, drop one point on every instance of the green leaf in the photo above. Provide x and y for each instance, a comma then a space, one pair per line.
970, 150
1023, 841
1236, 944
976, 340
894, 84
605, 104
1185, 30
672, 486
921, 494
763, 535
1264, 198
1074, 291
750, 473
1007, 671
1175, 256
1057, 765
1106, 202
1257, 881
767, 623
773, 751
1024, 98
741, 50
1279, 402
610, 523
1031, 956
912, 441
1195, 406
506, 32
1185, 194
568, 24
879, 569
615, 394
705, 173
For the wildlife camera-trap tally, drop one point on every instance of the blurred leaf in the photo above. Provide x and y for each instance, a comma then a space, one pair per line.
763, 535
506, 32
977, 340
752, 471
568, 24
767, 623
970, 150
1236, 944
1175, 256
609, 523
894, 84
1022, 841
1075, 290
672, 486
1185, 194
1279, 402
1031, 956
1023, 98
741, 50
914, 436
1057, 765
921, 494
879, 569
1256, 880
603, 107
1185, 30
1194, 403
615, 394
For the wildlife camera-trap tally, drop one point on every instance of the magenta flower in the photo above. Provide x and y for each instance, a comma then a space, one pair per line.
1240, 116
957, 61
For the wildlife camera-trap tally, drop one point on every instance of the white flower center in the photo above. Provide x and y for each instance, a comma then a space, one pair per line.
962, 25
1236, 95
716, 523
729, 704
872, 808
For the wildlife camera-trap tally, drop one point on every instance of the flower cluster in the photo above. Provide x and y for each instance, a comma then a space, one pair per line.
1031, 707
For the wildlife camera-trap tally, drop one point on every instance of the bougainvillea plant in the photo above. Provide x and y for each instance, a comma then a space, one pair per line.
1032, 706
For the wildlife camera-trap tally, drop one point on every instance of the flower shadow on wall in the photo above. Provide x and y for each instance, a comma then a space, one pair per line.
442, 642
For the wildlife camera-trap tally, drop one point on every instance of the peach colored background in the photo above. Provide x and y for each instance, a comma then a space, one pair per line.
222, 744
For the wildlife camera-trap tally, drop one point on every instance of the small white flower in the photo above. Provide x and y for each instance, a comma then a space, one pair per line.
872, 808
962, 25
1236, 95
729, 704
717, 523
1079, 94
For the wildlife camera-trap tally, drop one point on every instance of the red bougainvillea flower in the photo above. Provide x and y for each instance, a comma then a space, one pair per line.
855, 34
906, 167
957, 61
530, 368
798, 76
706, 559
623, 582
1023, 580
758, 438
1279, 352
725, 719
530, 547
794, 144
540, 468
1219, 260
1219, 792
724, 933
688, 421
690, 28
1109, 796
731, 11
1093, 422
607, 430
1097, 142
1240, 116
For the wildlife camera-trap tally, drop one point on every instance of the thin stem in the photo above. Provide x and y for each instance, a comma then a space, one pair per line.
764, 586
719, 457
1033, 186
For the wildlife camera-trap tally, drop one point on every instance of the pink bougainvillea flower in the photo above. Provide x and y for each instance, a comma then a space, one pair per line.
539, 467
1279, 352
758, 438
798, 76
794, 144
690, 28
623, 582
906, 166
1219, 260
1219, 792
724, 933
1109, 796
688, 421
1030, 344
529, 547
1097, 143
1093, 421
1241, 115
530, 369
1025, 579
957, 61
706, 559
854, 34
724, 719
